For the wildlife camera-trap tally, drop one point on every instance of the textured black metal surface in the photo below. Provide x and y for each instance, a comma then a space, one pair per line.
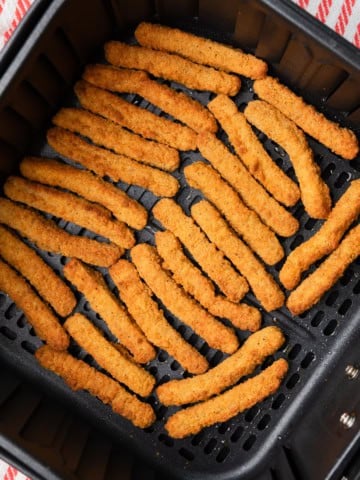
243, 446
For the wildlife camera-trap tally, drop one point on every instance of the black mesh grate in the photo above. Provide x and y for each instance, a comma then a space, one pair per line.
309, 337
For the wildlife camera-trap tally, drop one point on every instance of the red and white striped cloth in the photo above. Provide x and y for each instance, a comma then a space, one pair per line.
343, 16
11, 13
10, 473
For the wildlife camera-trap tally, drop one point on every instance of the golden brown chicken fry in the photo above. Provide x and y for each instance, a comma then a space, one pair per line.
315, 193
200, 50
92, 285
80, 376
107, 134
148, 264
245, 221
315, 285
108, 357
263, 285
254, 195
134, 118
171, 215
171, 67
177, 104
325, 240
117, 167
341, 141
252, 153
48, 236
252, 353
38, 314
88, 185
151, 319
225, 406
69, 207
42, 277
200, 287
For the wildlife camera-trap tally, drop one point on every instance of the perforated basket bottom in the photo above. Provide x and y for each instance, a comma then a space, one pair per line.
224, 446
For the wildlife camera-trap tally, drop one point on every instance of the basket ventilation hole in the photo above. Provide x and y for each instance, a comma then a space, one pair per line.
86, 306
184, 452
216, 359
163, 356
329, 170
341, 180
21, 322
249, 443
149, 429
224, 427
29, 347
296, 242
193, 339
11, 311
8, 333
264, 422
160, 414
175, 365
309, 357
237, 434
221, 456
164, 379
251, 414
2, 299
32, 332
280, 162
278, 401
182, 330
153, 370
309, 225
293, 380
357, 288
166, 440
196, 440
331, 299
345, 279
210, 446
294, 352
330, 328
344, 307
315, 322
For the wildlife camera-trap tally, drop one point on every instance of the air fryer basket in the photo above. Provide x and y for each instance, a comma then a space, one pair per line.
283, 437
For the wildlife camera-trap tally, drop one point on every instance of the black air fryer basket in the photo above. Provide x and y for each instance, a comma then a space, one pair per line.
308, 430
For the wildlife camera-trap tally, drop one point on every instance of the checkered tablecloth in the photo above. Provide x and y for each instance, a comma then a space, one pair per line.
343, 16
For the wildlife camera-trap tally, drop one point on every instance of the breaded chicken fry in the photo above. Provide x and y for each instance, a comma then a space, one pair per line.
261, 282
88, 185
254, 195
42, 277
171, 67
341, 141
200, 287
325, 240
38, 314
225, 406
107, 134
200, 50
117, 167
92, 285
177, 104
315, 193
80, 376
171, 215
148, 264
69, 207
134, 118
315, 285
245, 221
48, 236
108, 357
151, 319
252, 353
251, 151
